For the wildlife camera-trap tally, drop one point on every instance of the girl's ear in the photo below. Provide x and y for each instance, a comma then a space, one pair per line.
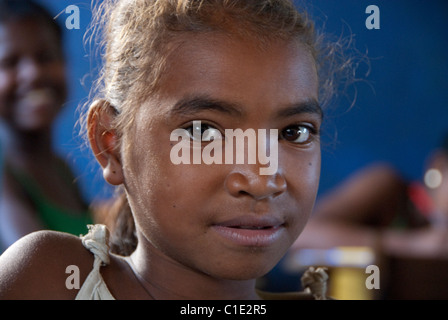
104, 140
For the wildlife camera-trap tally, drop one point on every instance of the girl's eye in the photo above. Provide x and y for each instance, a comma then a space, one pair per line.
203, 132
297, 134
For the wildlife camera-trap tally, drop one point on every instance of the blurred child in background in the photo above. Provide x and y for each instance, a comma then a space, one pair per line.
38, 188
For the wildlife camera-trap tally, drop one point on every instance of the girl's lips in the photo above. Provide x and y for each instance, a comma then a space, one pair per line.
251, 232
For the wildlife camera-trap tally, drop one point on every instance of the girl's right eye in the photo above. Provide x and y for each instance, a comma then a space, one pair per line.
203, 132
298, 134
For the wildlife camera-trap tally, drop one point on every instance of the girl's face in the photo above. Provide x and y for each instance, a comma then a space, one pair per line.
226, 220
32, 74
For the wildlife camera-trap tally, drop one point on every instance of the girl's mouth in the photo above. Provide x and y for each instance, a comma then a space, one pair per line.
249, 231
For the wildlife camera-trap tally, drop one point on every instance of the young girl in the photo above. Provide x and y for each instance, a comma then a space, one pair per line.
37, 185
205, 231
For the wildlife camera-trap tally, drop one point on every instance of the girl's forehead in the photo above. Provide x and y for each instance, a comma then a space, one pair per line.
237, 72
220, 59
228, 45
222, 64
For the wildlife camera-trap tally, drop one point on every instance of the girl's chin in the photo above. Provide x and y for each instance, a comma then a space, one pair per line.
242, 272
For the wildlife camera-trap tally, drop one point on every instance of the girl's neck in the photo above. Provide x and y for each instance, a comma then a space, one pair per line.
165, 279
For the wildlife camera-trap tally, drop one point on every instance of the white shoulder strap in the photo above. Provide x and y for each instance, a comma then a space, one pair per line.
94, 288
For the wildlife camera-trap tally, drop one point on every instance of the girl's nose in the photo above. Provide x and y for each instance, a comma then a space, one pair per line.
245, 182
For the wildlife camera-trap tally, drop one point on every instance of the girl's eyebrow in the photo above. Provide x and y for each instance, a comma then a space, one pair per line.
195, 104
309, 106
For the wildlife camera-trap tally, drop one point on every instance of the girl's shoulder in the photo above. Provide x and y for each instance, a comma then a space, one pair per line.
44, 265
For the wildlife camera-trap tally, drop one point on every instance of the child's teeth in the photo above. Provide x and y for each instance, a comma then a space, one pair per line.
39, 95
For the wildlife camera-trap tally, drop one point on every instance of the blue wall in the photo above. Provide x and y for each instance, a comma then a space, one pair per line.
400, 113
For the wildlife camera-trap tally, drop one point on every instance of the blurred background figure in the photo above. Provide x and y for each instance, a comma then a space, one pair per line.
402, 224
38, 189
378, 207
